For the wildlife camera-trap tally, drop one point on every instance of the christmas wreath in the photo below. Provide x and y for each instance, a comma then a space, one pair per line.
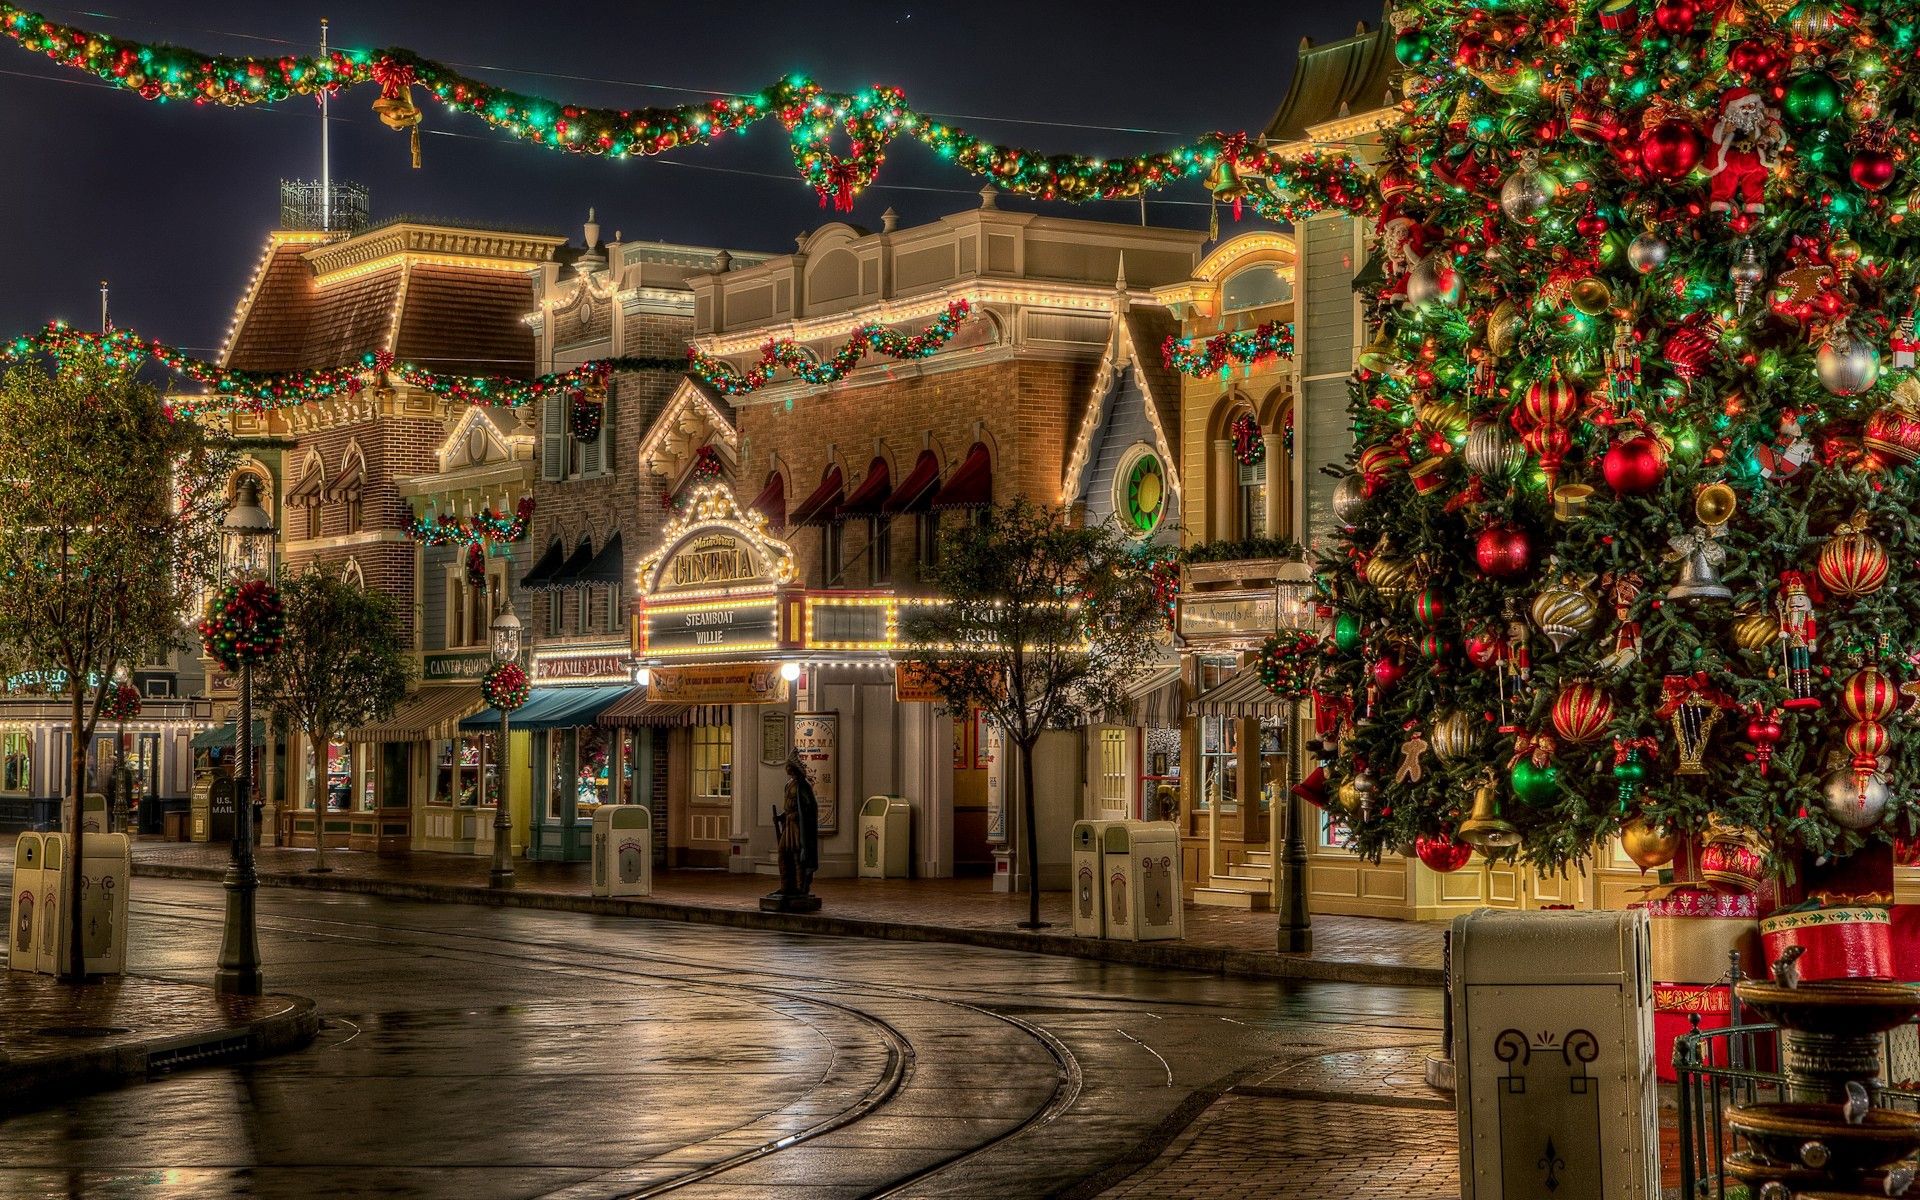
1249, 447
585, 416
505, 686
1164, 574
1288, 663
476, 565
243, 624
123, 704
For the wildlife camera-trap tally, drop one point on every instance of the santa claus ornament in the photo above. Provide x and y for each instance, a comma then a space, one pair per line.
1746, 143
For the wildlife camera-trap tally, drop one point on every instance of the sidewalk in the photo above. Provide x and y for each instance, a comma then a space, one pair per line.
965, 911
59, 1040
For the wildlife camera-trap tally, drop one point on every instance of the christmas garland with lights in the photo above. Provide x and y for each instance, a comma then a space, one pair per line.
1204, 358
483, 526
244, 624
505, 686
787, 354
1289, 663
1236, 171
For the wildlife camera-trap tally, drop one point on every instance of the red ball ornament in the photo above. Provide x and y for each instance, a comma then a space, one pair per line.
1581, 712
1871, 168
1549, 401
1866, 741
1868, 695
1852, 564
1503, 551
1387, 671
1671, 150
1688, 348
1892, 437
1428, 607
1676, 16
1634, 466
1443, 854
1483, 648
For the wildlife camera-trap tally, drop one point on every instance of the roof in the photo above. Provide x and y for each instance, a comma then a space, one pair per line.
1144, 328
1352, 75
1149, 328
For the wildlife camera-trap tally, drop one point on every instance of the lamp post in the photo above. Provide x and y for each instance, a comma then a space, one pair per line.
505, 631
1294, 611
246, 551
122, 781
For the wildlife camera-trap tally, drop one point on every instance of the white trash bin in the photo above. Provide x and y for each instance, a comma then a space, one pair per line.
886, 837
1089, 892
106, 870
1553, 1049
51, 942
623, 850
1141, 862
23, 938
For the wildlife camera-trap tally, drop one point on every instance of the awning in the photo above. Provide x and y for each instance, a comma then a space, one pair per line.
916, 490
817, 509
576, 565
1151, 699
429, 715
543, 571
350, 480
772, 502
306, 492
608, 566
220, 737
1242, 695
870, 498
552, 708
634, 710
971, 484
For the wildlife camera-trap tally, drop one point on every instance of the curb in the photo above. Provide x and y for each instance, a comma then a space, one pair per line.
44, 1081
1237, 964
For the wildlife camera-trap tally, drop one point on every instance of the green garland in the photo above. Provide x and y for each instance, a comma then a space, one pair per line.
786, 353
1289, 663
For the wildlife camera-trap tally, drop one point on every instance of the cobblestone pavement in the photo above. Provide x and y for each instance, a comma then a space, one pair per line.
956, 903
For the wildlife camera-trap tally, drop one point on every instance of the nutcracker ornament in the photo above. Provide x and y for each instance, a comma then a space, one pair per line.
1747, 140
1515, 663
1622, 588
1799, 637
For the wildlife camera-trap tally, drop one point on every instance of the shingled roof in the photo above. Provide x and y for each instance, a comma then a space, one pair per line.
1352, 75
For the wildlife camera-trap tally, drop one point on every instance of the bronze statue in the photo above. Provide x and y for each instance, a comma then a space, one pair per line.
796, 828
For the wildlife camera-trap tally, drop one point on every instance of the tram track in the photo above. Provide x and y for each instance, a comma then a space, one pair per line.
559, 958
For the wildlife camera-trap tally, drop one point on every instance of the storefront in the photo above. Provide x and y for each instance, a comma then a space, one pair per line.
414, 781
35, 759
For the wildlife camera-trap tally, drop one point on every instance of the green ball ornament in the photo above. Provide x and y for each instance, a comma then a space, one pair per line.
1812, 98
1428, 607
1630, 773
1346, 632
1535, 785
1413, 47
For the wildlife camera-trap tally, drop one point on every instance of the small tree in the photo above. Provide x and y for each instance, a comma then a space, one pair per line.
108, 516
343, 664
1038, 622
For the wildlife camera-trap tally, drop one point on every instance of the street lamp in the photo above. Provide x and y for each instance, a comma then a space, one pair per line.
505, 631
1294, 611
122, 779
246, 552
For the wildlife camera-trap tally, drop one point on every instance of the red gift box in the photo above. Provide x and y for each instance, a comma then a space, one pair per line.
1837, 941
1674, 1007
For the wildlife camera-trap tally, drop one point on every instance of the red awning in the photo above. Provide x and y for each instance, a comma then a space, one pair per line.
306, 492
772, 502
918, 487
352, 476
818, 508
971, 484
869, 499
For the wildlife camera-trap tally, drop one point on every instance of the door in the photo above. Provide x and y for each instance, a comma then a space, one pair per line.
710, 795
972, 852
1114, 789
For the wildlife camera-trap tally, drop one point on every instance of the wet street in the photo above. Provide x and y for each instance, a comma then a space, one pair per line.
479, 1053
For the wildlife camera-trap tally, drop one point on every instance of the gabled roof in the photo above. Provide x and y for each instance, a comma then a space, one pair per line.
695, 415
1133, 356
1352, 75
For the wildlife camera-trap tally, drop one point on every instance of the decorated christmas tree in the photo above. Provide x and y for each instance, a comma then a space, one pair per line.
1630, 533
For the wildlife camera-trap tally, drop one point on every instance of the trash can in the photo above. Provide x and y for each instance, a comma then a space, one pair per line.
23, 939
1553, 1049
886, 833
52, 916
1141, 862
1089, 914
106, 866
623, 850
93, 813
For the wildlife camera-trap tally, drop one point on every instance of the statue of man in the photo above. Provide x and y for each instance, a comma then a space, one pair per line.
797, 826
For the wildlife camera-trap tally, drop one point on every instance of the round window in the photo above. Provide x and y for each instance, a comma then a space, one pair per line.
1143, 492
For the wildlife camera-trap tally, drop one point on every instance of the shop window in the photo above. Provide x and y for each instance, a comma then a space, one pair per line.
16, 761
1219, 763
712, 762
1273, 762
593, 777
880, 549
1253, 500
456, 771
339, 789
1115, 762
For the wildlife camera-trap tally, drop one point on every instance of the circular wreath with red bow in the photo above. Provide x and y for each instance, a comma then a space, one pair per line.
123, 704
1249, 447
244, 624
1288, 663
505, 686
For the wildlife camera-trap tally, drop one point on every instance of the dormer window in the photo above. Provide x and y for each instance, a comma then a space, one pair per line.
1255, 287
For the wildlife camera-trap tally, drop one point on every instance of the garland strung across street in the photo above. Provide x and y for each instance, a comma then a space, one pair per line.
1204, 357
786, 353
1277, 187
483, 526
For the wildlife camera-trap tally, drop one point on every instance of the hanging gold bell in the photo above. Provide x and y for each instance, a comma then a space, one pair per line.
1380, 354
399, 112
1485, 829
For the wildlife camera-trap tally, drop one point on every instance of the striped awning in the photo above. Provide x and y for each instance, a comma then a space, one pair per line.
1242, 695
432, 714
634, 710
1151, 699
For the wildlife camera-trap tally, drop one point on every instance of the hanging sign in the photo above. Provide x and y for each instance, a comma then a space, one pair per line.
729, 683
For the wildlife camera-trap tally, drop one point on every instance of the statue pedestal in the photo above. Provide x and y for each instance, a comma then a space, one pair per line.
782, 902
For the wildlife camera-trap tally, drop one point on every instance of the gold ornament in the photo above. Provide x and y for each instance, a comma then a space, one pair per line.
1755, 630
1565, 610
1485, 829
1591, 296
1454, 735
399, 112
1391, 576
1503, 329
1648, 847
1715, 505
1443, 416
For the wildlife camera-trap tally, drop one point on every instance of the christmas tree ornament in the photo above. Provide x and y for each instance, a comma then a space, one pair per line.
1622, 590
1689, 347
1570, 501
1872, 168
1590, 295
1429, 607
1747, 274
1714, 505
1763, 733
1349, 499
1389, 574
1677, 17
1754, 630
1435, 281
1852, 562
1700, 558
1852, 803
1412, 752
1799, 636
1812, 98
1565, 609
1868, 695
1813, 21
1491, 451
1671, 150
1346, 631
1503, 551
1545, 408
1746, 144
1649, 846
1692, 706
1648, 252
1846, 365
1485, 829
1635, 464
1504, 325
1533, 774
1581, 712
1866, 742
1387, 672
1442, 854
1905, 344
1455, 735
1891, 436
1630, 767
1484, 647
1529, 192
1413, 47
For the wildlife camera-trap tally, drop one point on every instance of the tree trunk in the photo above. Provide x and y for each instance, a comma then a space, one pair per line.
1033, 834
76, 961
322, 799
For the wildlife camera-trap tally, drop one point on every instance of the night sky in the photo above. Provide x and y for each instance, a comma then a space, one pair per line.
170, 202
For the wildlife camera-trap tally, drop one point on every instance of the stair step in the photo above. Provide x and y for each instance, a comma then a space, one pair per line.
1243, 871
1221, 898
1239, 883
1259, 858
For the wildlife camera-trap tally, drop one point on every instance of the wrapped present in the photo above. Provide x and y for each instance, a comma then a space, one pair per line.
1695, 930
1863, 877
1674, 1007
1905, 923
1837, 941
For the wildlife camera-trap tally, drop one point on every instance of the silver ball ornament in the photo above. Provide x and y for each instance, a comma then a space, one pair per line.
1435, 280
1846, 366
1648, 253
1492, 451
1349, 498
1851, 804
1528, 193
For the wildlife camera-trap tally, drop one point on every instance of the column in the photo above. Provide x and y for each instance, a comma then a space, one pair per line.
1222, 494
1279, 484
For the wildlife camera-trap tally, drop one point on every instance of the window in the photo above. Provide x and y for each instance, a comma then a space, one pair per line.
712, 762
1115, 744
1219, 763
457, 767
1253, 500
593, 779
339, 777
1255, 287
880, 550
555, 607
616, 617
354, 511
562, 456
927, 539
1140, 491
16, 761
831, 544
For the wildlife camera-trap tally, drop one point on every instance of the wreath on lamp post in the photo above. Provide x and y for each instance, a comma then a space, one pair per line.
505, 686
1288, 663
123, 704
244, 624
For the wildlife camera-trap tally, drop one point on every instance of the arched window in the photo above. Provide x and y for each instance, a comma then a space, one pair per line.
1250, 466
347, 489
351, 574
1255, 287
